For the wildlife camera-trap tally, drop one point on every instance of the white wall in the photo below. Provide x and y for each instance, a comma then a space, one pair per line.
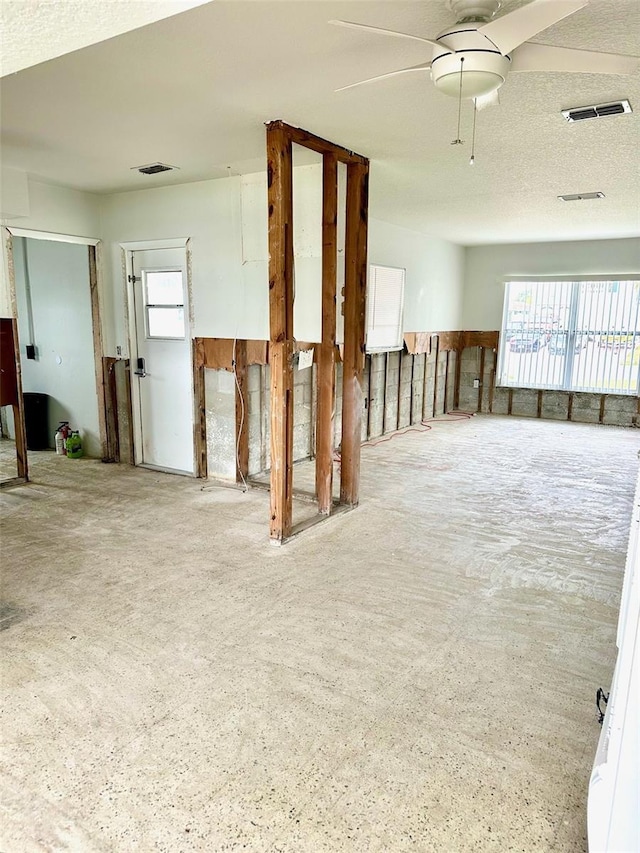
59, 210
434, 277
62, 327
226, 220
487, 267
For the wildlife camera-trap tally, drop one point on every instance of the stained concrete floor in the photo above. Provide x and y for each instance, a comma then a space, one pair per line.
416, 675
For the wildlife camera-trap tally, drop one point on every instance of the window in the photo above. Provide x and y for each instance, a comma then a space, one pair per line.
164, 303
571, 335
385, 302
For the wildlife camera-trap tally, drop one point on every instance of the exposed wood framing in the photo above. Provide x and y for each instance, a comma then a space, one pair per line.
327, 348
399, 401
22, 463
384, 392
510, 401
242, 425
281, 267
481, 385
569, 407
112, 453
435, 377
539, 408
456, 381
96, 326
603, 400
199, 409
492, 381
354, 328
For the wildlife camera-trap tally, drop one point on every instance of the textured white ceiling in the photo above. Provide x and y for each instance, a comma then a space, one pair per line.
196, 89
34, 31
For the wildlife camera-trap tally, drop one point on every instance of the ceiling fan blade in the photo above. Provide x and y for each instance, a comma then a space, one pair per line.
422, 67
513, 29
490, 100
389, 33
546, 57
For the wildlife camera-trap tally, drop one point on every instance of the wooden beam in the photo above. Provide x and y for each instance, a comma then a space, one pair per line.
492, 381
435, 377
242, 398
456, 381
539, 409
281, 263
446, 382
318, 144
603, 400
199, 407
384, 393
354, 328
326, 351
400, 360
111, 409
481, 385
96, 326
479, 339
22, 462
510, 401
570, 407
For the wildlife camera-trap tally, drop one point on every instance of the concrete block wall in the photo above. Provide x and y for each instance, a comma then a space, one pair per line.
398, 390
613, 409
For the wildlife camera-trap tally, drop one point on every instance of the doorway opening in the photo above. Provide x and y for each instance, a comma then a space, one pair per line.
159, 325
57, 348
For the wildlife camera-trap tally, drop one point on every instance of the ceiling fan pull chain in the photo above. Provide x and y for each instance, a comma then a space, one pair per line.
457, 140
472, 159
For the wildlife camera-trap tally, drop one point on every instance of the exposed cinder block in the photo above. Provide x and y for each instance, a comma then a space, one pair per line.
555, 405
501, 401
220, 413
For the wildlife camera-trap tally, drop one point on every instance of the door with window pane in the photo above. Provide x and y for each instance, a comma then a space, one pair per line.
162, 367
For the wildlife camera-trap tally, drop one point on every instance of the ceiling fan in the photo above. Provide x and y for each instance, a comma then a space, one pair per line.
471, 58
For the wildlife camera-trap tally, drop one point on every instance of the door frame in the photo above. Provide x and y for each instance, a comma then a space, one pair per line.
94, 248
127, 250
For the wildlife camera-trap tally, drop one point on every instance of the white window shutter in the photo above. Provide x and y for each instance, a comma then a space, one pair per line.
385, 302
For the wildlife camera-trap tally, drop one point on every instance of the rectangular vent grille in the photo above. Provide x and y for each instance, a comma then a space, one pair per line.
580, 196
597, 111
153, 168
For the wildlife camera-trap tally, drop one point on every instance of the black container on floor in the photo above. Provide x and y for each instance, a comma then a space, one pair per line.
36, 419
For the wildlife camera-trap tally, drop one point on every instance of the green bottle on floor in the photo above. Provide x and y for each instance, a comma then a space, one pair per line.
74, 445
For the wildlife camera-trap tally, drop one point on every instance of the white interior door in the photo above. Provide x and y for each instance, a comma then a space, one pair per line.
161, 367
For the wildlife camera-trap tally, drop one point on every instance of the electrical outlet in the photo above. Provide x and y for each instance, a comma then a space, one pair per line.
476, 383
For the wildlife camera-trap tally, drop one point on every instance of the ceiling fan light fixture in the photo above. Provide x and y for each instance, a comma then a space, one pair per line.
474, 83
482, 72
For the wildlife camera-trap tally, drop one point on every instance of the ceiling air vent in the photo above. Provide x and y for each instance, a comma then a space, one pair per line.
154, 168
597, 111
580, 196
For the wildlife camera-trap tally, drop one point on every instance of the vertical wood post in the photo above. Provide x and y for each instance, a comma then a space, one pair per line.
22, 463
199, 407
354, 329
326, 351
96, 326
280, 206
481, 386
458, 376
435, 378
242, 411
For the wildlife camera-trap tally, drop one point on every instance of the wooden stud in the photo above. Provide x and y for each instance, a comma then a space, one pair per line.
510, 401
481, 386
539, 410
199, 407
327, 348
102, 391
492, 380
400, 360
369, 359
281, 267
446, 382
570, 407
111, 410
456, 381
603, 399
18, 413
354, 328
242, 411
384, 393
413, 369
435, 377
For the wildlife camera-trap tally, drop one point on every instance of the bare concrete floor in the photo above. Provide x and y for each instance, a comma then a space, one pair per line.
416, 675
